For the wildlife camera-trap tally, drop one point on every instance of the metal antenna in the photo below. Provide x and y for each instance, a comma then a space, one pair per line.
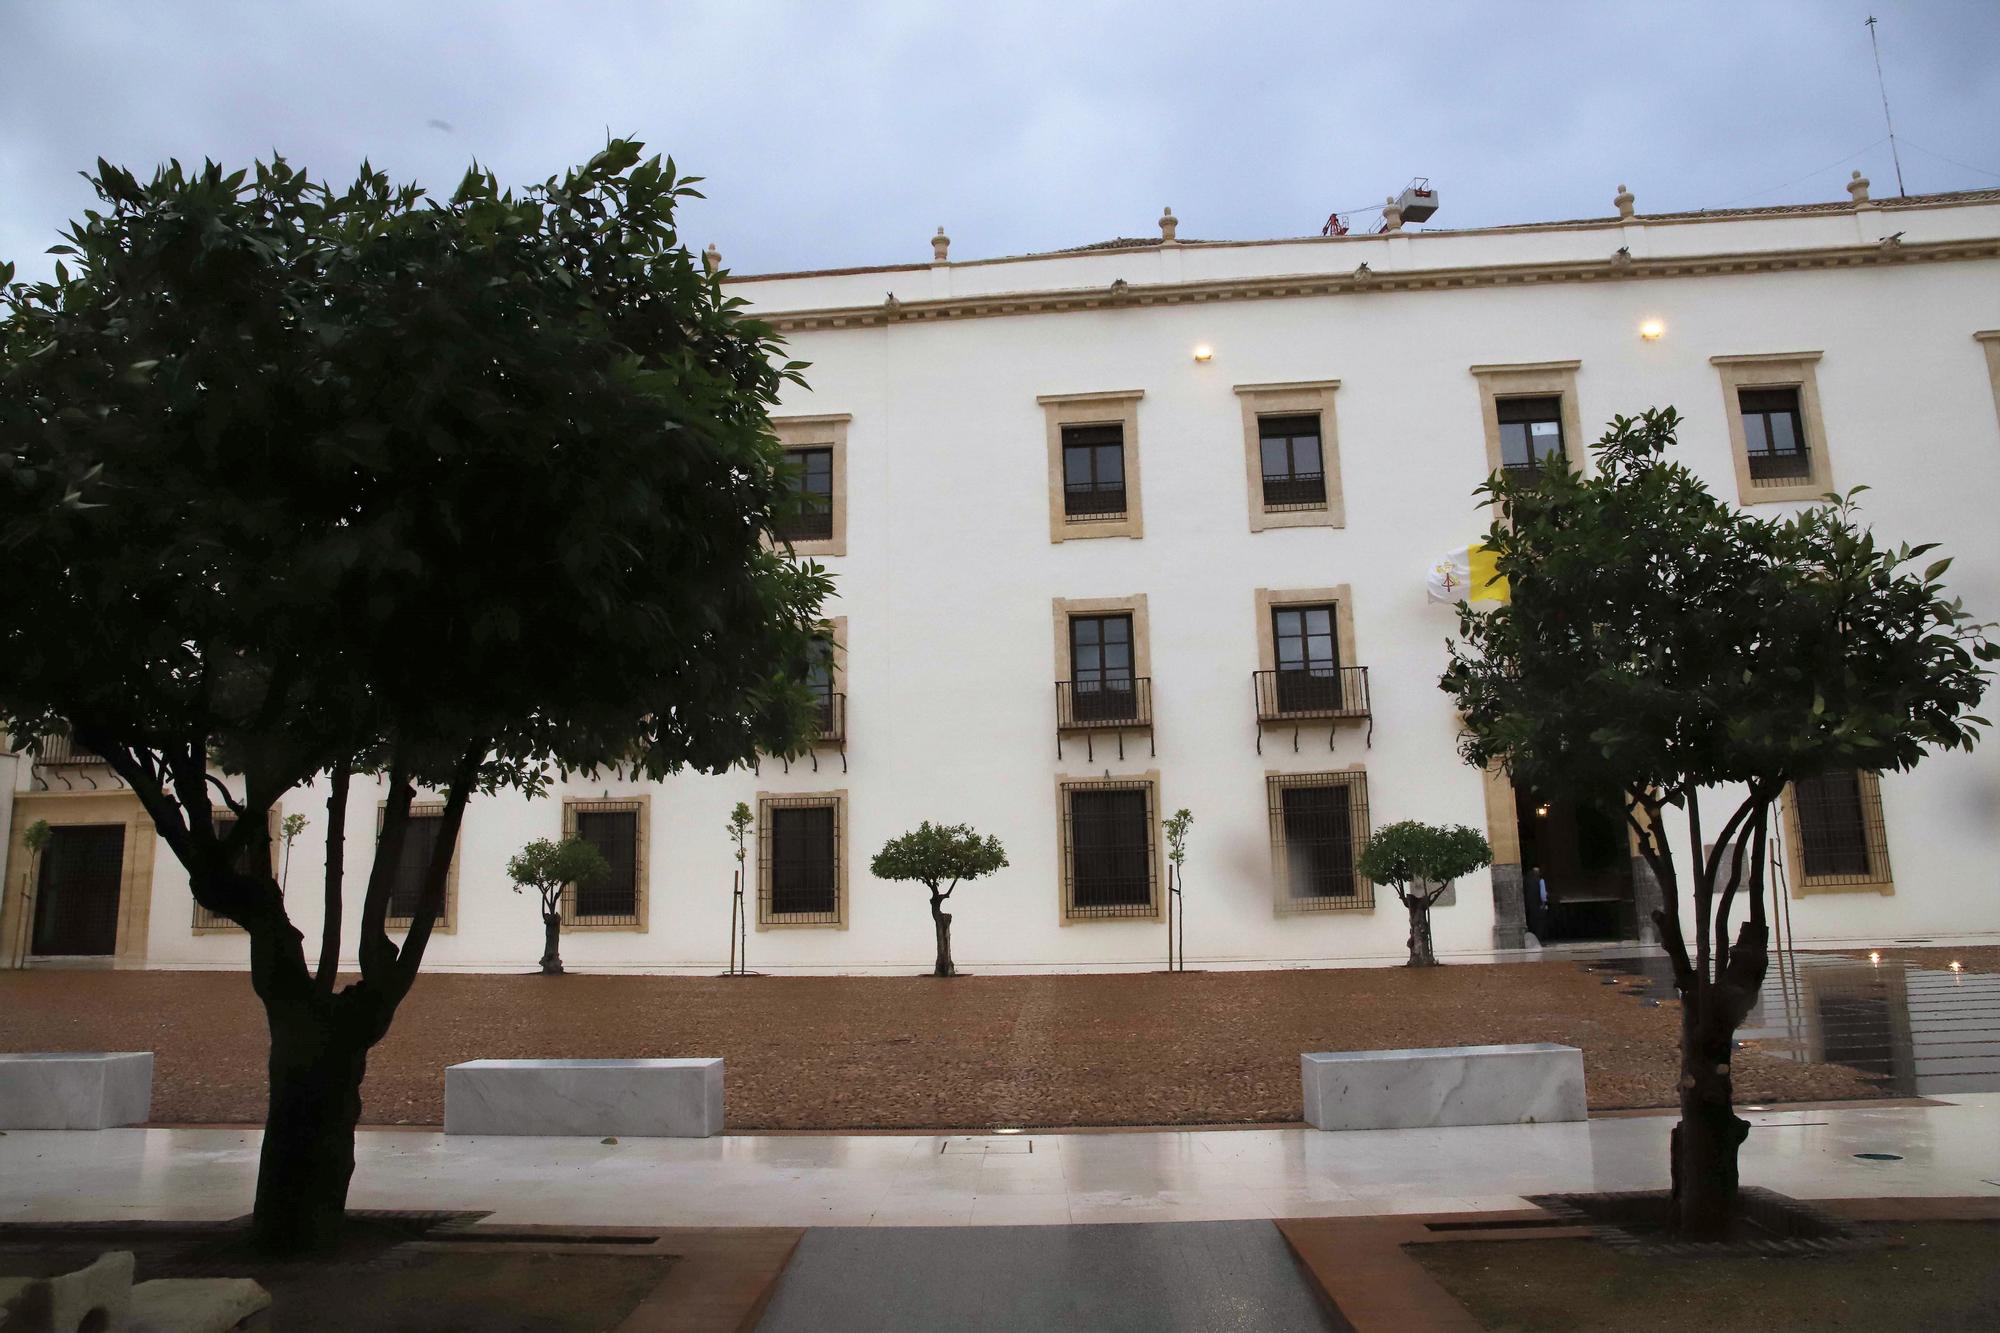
1893, 155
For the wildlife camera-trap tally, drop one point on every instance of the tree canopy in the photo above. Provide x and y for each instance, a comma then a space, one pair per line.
301, 480
548, 867
1409, 853
935, 854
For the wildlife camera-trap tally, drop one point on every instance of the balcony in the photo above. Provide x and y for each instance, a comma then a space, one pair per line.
1780, 465
1095, 705
833, 719
62, 759
1296, 490
1311, 694
813, 523
1093, 501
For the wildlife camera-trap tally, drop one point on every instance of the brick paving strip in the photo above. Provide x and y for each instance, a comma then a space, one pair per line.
855, 1053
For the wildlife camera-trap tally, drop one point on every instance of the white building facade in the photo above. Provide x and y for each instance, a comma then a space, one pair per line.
1128, 529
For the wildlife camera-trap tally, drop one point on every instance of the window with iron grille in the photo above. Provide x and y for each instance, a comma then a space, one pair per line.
225, 824
1306, 647
612, 898
1294, 469
1530, 430
812, 520
798, 846
1319, 822
77, 889
1837, 818
1093, 472
406, 877
1110, 850
1774, 434
1103, 686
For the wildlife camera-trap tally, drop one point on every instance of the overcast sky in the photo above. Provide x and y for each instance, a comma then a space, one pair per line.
843, 132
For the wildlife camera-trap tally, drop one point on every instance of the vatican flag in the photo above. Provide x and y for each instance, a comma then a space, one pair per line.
1468, 574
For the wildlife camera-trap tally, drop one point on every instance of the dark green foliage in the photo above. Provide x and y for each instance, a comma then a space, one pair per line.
1660, 642
304, 481
1410, 853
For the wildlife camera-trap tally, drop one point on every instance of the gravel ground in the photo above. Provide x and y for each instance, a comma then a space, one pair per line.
906, 1052
1976, 957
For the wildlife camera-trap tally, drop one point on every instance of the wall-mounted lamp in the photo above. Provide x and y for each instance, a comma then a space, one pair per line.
1652, 329
1203, 352
1542, 811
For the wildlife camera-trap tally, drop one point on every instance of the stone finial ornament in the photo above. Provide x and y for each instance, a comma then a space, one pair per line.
1169, 224
1857, 188
1392, 214
711, 258
940, 247
1623, 201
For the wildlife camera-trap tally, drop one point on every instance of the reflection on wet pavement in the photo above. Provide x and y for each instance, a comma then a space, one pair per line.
1920, 1031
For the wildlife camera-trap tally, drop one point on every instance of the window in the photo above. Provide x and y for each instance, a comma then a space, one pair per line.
1528, 411
1103, 685
406, 877
1308, 654
1110, 848
1319, 822
801, 873
819, 683
77, 891
1838, 840
1305, 657
1093, 472
1293, 458
1775, 432
1530, 431
812, 521
1093, 444
615, 900
816, 448
1294, 472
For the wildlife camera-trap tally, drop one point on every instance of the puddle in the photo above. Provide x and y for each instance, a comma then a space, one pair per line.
1920, 1031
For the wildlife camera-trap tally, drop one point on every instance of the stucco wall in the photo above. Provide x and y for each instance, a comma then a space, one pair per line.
947, 585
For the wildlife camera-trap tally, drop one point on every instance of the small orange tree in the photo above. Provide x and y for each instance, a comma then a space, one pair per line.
939, 856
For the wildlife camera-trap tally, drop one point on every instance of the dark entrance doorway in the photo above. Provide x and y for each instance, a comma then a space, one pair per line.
76, 895
1576, 869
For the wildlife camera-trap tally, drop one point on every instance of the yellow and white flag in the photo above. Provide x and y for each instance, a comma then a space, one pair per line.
1468, 574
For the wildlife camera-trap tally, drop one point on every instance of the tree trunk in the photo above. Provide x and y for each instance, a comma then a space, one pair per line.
1421, 952
943, 920
317, 1062
1706, 1140
552, 944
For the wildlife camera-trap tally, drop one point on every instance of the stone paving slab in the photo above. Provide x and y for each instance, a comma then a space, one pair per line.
1142, 1277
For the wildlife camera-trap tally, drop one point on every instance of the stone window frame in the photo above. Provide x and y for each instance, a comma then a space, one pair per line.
1353, 777
1068, 782
1989, 339
1341, 595
1283, 399
826, 430
201, 921
642, 903
1876, 830
135, 877
836, 798
1530, 379
1775, 370
447, 921
1134, 605
1116, 407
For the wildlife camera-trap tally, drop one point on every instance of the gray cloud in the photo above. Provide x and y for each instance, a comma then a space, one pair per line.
835, 134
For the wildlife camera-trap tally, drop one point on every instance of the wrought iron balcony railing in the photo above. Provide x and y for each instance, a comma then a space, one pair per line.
1300, 490
1116, 705
833, 719
1087, 500
1780, 465
1311, 694
812, 524
62, 752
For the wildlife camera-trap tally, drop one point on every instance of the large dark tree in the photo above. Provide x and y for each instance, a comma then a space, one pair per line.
301, 482
1661, 643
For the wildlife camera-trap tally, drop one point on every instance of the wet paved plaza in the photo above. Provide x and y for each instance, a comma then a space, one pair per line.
1921, 1031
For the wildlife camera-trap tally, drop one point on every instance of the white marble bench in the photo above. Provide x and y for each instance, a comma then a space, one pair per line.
679, 1099
75, 1089
1532, 1083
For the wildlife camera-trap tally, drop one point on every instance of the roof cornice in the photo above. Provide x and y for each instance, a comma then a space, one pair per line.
1121, 294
